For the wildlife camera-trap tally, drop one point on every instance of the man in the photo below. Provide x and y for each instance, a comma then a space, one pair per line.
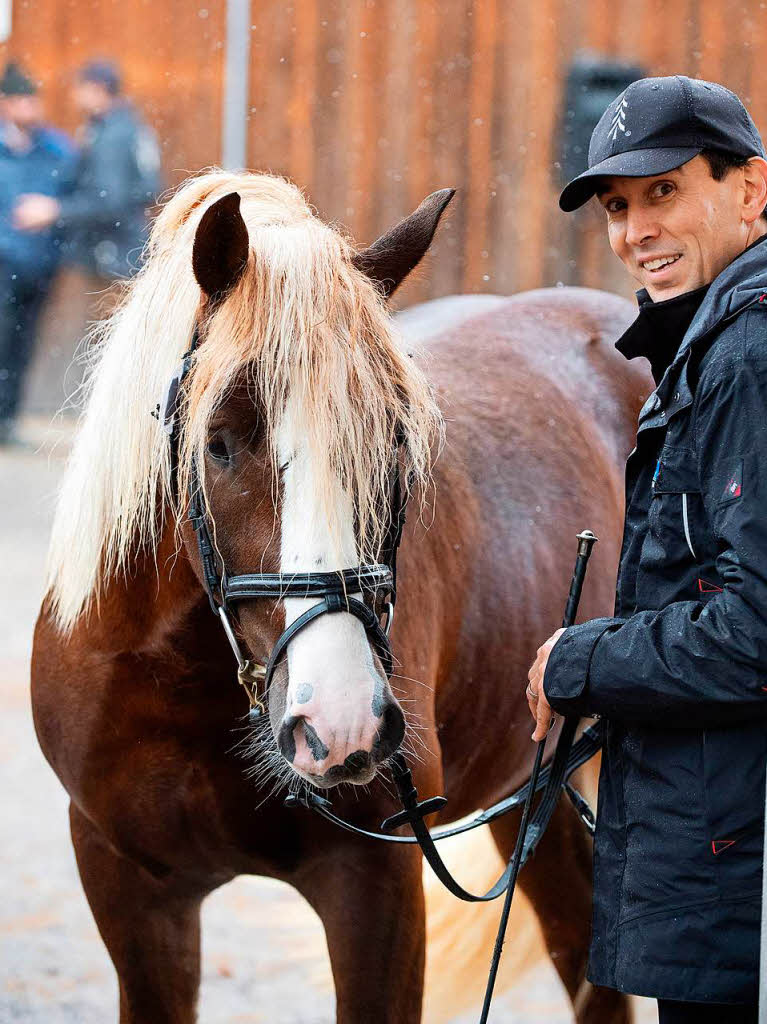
680, 673
117, 177
31, 156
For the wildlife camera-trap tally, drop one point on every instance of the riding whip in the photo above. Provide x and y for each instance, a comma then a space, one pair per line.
586, 541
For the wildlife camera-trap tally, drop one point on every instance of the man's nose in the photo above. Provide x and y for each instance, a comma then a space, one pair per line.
641, 226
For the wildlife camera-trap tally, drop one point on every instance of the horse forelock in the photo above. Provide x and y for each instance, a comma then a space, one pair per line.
311, 333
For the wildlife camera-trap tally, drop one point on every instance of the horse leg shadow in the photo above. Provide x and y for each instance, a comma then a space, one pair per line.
150, 926
557, 880
371, 903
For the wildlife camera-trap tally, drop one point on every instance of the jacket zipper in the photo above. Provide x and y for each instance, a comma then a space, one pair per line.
720, 323
686, 521
685, 516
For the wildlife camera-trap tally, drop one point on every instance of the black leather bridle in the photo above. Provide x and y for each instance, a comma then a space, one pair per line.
375, 581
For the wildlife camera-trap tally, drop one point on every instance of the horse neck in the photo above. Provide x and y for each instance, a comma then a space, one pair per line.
439, 549
149, 607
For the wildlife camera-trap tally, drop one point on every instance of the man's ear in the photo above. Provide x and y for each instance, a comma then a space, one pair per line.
755, 195
221, 245
390, 259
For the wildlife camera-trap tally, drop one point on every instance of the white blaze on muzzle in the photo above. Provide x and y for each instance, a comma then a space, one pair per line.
336, 695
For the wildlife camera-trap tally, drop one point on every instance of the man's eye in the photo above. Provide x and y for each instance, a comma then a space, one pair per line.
615, 205
217, 449
663, 188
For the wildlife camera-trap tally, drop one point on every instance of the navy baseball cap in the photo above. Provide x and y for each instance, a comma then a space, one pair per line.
15, 82
657, 124
102, 72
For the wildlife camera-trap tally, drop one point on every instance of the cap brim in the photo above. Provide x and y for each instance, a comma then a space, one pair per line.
634, 163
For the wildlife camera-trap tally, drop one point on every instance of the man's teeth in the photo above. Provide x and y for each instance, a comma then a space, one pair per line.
662, 262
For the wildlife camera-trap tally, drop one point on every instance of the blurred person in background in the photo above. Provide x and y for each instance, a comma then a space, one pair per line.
117, 177
32, 156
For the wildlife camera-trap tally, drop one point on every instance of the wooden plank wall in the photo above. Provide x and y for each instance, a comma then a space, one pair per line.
372, 104
170, 52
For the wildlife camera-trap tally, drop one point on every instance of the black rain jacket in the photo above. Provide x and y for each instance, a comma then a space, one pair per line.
680, 673
117, 176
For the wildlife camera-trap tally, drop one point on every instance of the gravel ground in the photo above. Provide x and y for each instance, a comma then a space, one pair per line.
264, 955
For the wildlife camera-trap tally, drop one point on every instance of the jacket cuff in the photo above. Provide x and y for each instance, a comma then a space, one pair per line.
565, 681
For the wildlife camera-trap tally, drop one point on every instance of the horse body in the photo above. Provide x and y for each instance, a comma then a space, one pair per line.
540, 414
138, 710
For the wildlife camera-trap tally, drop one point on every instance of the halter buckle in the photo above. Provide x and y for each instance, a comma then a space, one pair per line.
249, 673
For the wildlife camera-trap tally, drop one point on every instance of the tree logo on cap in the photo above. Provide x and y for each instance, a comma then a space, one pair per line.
618, 123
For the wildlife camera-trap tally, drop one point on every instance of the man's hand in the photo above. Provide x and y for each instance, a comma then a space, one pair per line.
35, 212
536, 698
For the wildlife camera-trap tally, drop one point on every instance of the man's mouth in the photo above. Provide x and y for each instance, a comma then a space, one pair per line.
659, 262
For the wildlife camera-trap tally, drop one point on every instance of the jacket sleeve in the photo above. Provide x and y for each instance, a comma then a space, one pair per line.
692, 664
108, 195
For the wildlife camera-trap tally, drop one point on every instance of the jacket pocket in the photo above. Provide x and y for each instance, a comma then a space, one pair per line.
675, 518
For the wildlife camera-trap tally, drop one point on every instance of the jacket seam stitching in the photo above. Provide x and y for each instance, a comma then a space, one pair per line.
710, 901
625, 857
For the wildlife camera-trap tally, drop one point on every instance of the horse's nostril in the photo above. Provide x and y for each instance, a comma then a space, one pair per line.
286, 741
391, 733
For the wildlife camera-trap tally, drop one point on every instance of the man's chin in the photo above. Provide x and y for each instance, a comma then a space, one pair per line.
659, 293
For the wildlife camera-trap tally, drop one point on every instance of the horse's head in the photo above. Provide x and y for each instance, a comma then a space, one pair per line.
299, 407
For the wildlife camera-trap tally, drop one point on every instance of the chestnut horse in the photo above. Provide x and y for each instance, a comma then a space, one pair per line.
288, 417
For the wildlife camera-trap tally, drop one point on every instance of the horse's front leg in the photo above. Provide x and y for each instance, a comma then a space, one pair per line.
370, 899
150, 926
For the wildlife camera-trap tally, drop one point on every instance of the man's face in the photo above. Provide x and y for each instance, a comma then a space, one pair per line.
91, 98
677, 231
23, 111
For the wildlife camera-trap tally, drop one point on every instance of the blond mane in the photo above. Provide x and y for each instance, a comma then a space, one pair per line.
308, 326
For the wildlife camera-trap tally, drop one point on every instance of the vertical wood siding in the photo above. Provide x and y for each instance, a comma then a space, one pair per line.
370, 105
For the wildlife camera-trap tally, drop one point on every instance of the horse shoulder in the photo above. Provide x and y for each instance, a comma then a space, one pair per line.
138, 724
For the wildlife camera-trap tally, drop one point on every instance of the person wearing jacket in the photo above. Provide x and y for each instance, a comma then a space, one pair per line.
679, 673
32, 156
117, 177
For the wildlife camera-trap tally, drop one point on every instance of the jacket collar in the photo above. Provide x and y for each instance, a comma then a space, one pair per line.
659, 329
739, 286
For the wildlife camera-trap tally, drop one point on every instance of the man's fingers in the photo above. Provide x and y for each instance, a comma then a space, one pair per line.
536, 698
543, 716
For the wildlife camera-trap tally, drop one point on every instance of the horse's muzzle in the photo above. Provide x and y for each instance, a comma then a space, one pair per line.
328, 756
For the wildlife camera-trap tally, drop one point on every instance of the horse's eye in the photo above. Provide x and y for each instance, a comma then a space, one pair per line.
217, 449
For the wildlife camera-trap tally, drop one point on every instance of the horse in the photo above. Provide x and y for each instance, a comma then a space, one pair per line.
506, 421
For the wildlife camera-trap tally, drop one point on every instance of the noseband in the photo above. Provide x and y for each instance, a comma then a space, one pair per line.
376, 582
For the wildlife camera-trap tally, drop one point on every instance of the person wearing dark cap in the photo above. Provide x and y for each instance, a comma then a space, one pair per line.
104, 215
679, 673
32, 156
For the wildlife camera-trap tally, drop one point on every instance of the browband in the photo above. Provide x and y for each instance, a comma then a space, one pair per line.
365, 578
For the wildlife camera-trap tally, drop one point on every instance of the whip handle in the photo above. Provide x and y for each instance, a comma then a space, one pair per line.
586, 541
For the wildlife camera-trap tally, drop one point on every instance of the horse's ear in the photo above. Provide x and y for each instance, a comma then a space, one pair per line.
220, 252
389, 260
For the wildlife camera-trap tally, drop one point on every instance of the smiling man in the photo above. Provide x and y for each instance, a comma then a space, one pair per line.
680, 672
